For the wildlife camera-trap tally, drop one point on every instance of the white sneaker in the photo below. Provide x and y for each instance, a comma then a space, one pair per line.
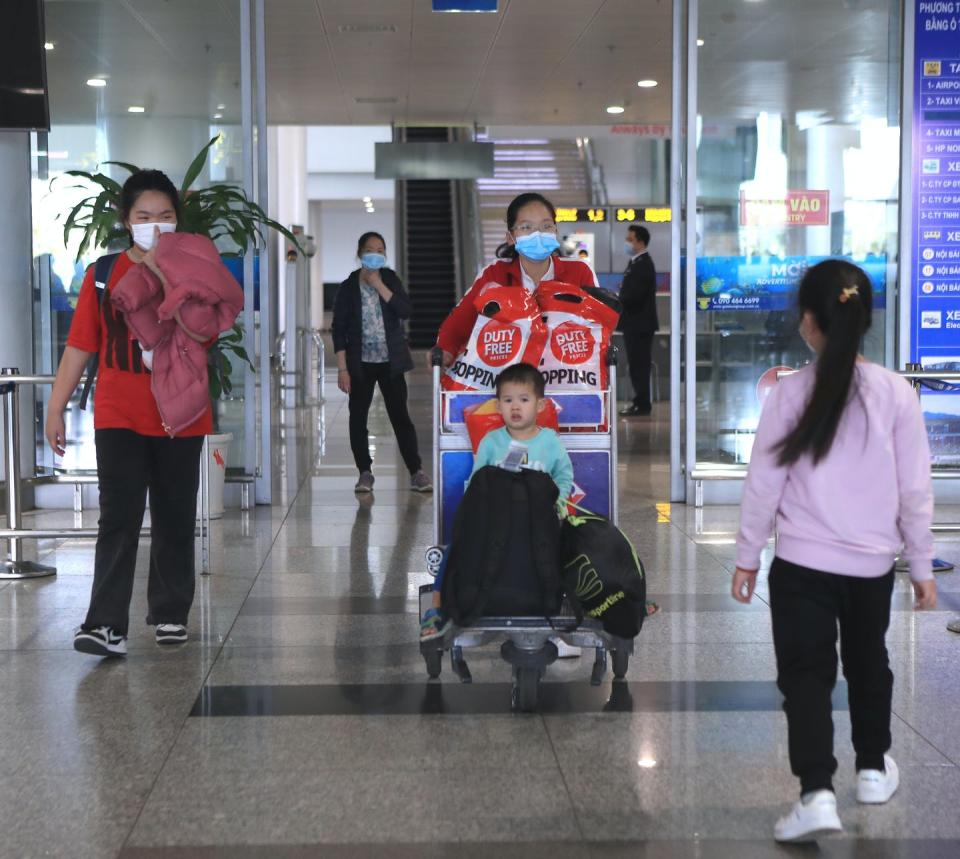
875, 787
564, 650
100, 641
171, 633
807, 821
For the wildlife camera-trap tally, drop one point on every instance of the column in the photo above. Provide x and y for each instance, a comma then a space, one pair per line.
16, 287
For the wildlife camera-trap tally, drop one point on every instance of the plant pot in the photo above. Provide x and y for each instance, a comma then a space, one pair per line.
217, 448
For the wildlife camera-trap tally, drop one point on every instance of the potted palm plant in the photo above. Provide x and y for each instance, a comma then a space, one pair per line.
220, 211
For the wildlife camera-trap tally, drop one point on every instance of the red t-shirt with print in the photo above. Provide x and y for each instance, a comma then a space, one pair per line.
123, 398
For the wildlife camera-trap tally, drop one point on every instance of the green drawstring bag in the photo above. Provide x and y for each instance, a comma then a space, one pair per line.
601, 573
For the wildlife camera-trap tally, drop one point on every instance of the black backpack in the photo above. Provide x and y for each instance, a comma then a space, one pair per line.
503, 553
103, 268
602, 576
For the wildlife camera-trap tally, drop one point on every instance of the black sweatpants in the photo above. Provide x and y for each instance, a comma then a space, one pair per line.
128, 464
394, 391
639, 346
807, 606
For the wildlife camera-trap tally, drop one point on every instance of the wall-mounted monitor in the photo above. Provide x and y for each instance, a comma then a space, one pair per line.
24, 104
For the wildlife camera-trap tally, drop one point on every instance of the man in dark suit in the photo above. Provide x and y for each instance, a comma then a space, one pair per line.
638, 294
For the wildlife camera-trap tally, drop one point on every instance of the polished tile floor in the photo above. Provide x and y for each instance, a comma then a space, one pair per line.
298, 721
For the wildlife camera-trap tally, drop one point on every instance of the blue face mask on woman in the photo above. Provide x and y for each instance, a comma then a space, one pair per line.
537, 246
373, 261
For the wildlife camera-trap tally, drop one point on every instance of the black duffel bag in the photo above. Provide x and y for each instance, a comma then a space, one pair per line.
602, 576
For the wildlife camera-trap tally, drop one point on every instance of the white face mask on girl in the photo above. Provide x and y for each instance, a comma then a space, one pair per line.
143, 236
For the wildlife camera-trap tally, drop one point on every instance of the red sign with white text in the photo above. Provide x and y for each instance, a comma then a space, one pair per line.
796, 209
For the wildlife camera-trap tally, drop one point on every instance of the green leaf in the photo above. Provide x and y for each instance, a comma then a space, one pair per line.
130, 168
194, 169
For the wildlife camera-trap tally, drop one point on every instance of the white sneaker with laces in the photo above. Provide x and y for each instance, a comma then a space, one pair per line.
100, 641
809, 820
171, 633
875, 787
564, 650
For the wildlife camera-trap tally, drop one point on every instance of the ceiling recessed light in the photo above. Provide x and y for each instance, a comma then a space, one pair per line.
646, 83
371, 210
368, 199
218, 116
615, 108
700, 43
48, 46
221, 107
136, 108
96, 82
367, 28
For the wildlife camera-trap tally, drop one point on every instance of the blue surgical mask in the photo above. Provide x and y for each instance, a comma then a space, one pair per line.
373, 261
537, 246
628, 249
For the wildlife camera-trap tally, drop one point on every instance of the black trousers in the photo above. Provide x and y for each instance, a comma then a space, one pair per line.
639, 346
807, 606
393, 388
128, 464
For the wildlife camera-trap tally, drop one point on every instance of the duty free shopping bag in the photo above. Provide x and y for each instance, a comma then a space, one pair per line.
508, 331
579, 324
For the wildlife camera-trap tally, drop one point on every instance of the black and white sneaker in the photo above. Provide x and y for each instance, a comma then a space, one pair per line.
171, 633
101, 641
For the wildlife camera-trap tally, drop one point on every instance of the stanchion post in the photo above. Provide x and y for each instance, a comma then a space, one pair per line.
205, 506
15, 567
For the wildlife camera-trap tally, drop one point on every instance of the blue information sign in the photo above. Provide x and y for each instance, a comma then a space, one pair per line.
935, 279
768, 283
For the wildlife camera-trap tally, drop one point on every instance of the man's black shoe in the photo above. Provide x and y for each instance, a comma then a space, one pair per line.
635, 411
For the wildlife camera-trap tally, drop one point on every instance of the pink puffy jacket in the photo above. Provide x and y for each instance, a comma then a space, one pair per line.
209, 300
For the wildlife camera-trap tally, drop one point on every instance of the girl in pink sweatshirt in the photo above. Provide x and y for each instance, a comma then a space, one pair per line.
841, 470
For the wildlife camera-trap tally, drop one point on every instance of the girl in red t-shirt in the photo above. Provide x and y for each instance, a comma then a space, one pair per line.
134, 453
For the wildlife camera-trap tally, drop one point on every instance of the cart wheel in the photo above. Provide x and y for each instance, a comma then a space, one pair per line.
434, 660
621, 662
526, 689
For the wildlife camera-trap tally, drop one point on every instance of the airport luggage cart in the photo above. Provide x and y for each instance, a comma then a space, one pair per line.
588, 428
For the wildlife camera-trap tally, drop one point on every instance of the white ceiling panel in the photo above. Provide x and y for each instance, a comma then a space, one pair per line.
534, 62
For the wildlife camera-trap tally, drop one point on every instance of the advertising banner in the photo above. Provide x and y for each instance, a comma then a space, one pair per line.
768, 283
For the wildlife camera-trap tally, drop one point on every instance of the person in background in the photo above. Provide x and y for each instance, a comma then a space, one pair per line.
841, 469
638, 320
527, 257
371, 349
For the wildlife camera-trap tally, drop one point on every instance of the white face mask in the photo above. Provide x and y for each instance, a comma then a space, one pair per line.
143, 233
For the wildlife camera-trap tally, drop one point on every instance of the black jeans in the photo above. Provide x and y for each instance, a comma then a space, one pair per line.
393, 388
807, 606
639, 345
128, 464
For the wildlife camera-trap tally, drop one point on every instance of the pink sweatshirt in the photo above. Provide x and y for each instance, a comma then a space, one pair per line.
871, 494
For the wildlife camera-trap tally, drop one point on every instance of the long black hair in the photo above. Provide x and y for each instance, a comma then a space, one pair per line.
840, 297
146, 180
507, 250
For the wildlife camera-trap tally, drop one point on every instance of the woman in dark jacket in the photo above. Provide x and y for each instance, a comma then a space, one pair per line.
371, 349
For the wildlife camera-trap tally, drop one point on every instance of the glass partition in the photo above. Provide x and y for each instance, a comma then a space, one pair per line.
144, 83
798, 155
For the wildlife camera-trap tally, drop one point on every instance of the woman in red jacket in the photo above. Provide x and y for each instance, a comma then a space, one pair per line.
134, 452
527, 257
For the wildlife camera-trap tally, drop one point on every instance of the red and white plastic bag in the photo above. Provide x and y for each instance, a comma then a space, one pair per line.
579, 324
508, 331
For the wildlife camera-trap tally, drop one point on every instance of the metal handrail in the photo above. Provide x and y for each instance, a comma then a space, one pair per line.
15, 566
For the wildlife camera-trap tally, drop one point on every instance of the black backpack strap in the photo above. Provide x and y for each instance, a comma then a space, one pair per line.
102, 270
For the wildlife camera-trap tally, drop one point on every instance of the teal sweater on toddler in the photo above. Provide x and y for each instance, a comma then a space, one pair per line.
544, 452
